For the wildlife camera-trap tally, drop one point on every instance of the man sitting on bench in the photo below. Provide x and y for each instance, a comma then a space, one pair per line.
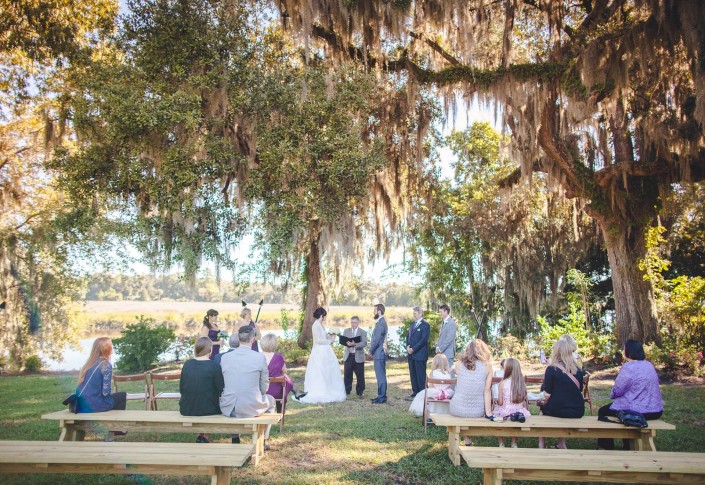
246, 382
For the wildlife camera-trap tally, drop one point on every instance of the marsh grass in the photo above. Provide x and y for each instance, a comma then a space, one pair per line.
350, 442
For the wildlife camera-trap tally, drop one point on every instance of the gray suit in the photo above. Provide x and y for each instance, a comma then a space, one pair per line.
354, 362
359, 348
446, 339
379, 336
246, 379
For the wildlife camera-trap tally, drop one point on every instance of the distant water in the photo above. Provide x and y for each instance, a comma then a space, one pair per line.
73, 359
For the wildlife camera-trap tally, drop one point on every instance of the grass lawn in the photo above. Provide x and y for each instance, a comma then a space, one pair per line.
350, 442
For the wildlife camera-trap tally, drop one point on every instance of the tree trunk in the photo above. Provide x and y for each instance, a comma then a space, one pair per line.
636, 316
313, 291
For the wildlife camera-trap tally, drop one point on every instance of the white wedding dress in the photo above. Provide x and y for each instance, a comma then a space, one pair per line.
323, 382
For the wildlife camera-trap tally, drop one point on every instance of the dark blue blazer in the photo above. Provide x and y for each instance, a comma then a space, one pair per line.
418, 340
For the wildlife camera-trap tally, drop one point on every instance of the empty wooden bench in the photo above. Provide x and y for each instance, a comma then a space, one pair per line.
74, 426
215, 459
546, 427
501, 464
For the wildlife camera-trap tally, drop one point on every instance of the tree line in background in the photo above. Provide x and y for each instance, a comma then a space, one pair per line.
119, 287
178, 128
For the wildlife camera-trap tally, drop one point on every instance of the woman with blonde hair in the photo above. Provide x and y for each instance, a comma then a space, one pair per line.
562, 387
440, 369
277, 368
246, 319
473, 395
95, 379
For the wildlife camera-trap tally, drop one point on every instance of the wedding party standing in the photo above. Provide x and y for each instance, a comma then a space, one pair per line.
323, 381
417, 352
210, 329
354, 358
379, 356
446, 339
246, 319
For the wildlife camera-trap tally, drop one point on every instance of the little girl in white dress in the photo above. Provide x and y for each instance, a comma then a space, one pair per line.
440, 369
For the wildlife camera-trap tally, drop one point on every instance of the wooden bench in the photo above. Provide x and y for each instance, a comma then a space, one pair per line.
546, 427
74, 426
585, 465
215, 460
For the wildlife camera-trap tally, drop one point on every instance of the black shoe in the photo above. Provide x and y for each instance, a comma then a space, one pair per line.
360, 394
374, 399
266, 447
199, 439
236, 439
119, 433
380, 400
411, 394
300, 395
410, 398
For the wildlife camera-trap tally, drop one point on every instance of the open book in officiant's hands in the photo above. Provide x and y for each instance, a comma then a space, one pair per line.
343, 340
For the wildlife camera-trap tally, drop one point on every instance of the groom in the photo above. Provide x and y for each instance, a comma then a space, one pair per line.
379, 336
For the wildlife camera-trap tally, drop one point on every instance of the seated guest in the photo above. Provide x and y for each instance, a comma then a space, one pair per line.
473, 396
573, 348
635, 389
277, 368
440, 369
94, 380
201, 384
246, 380
234, 342
562, 387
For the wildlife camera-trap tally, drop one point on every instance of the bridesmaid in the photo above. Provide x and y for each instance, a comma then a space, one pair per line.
246, 319
210, 329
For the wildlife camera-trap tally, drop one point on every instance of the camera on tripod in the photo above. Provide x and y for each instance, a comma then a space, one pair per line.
517, 417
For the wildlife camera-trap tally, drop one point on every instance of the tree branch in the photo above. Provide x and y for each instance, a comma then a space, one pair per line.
436, 47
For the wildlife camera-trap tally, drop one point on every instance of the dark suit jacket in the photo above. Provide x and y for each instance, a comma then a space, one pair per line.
418, 340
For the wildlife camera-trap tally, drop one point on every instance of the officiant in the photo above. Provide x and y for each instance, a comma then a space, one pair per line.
354, 357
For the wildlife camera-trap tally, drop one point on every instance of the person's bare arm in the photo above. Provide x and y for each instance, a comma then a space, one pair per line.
203, 332
488, 390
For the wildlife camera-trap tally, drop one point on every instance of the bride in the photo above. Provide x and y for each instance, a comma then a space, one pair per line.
323, 382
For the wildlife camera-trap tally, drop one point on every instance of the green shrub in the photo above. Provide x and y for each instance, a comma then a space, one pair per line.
592, 344
33, 364
141, 344
292, 353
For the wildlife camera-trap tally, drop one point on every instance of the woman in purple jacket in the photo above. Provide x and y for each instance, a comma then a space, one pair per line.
635, 389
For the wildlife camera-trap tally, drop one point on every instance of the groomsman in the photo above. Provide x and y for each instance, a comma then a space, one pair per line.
446, 339
417, 348
354, 358
379, 337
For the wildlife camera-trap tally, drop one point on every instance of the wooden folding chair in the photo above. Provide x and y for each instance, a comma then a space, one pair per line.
282, 402
162, 395
587, 397
427, 399
135, 396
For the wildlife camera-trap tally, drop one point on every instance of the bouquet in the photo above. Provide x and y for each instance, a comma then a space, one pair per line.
223, 335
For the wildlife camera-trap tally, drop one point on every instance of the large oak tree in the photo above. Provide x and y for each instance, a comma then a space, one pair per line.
605, 96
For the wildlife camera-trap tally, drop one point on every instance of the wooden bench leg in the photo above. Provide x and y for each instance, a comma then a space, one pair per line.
453, 445
493, 476
222, 476
258, 440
